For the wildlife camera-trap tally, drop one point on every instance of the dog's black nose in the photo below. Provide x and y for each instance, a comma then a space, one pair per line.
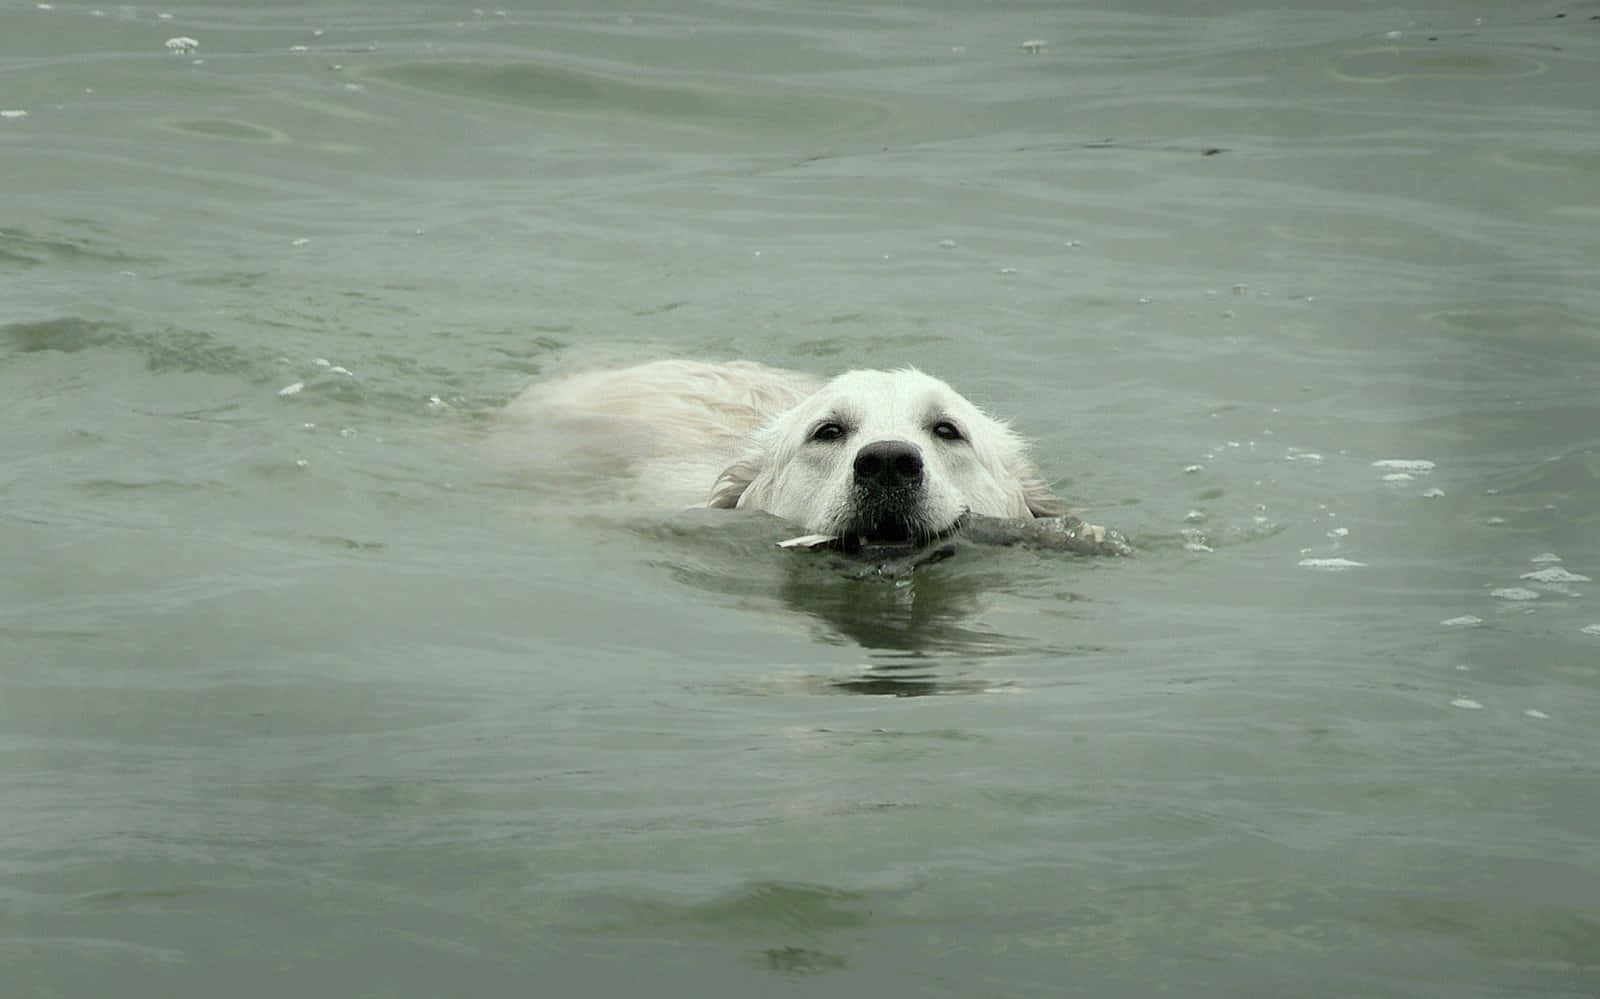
889, 464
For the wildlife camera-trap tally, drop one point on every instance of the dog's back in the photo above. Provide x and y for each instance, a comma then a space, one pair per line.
673, 424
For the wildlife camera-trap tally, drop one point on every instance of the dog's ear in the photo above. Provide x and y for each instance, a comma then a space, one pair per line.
1036, 493
733, 482
1041, 501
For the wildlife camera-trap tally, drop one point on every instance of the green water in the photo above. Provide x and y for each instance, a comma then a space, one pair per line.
321, 693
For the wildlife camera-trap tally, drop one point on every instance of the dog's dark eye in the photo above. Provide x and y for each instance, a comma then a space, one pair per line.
945, 430
827, 432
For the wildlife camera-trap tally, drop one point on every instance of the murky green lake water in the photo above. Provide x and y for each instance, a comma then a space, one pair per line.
315, 693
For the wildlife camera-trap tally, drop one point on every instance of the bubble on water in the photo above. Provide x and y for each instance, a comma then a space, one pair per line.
1535, 713
1434, 493
1555, 574
1194, 516
294, 388
1339, 532
1544, 557
163, 16
182, 45
436, 403
1033, 46
947, 244
347, 431
1464, 621
1590, 629
308, 426
1514, 593
302, 241
1405, 464
1191, 469
1494, 521
13, 113
299, 48
1295, 454
1008, 270
1330, 563
301, 463
1467, 703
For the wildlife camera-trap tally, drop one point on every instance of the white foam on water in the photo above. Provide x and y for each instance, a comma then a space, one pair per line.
1405, 464
1555, 575
1433, 493
1467, 703
1535, 713
1590, 629
1398, 477
1464, 621
182, 44
1544, 557
14, 113
1330, 563
1514, 593
294, 388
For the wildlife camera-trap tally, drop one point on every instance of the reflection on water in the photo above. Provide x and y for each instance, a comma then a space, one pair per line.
928, 610
921, 627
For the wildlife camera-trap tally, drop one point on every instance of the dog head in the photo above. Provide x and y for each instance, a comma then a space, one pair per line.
887, 457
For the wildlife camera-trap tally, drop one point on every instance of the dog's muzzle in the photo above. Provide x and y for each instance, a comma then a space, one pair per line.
887, 495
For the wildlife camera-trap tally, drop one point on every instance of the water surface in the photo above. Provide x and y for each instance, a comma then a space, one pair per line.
316, 691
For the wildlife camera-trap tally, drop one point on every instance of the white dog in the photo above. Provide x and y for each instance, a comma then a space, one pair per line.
882, 456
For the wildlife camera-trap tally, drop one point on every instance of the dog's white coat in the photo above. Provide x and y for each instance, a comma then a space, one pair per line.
743, 435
